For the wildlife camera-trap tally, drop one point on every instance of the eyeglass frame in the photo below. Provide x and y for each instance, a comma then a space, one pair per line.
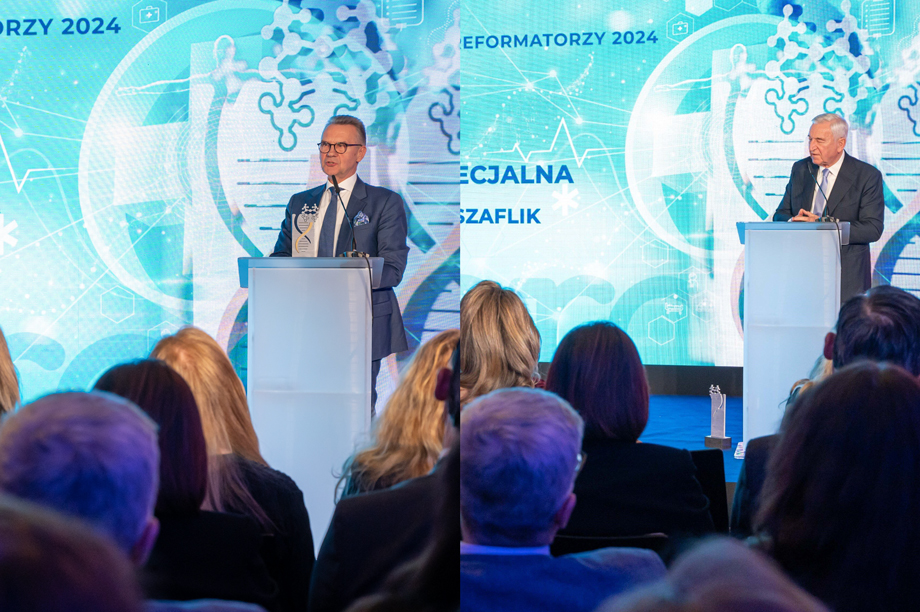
334, 146
580, 460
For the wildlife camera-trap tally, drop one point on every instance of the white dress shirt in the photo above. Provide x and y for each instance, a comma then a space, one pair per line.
831, 179
345, 188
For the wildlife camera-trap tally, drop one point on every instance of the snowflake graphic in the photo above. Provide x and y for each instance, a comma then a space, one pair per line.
565, 199
6, 233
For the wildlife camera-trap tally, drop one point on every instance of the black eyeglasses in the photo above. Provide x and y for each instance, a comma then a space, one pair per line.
340, 147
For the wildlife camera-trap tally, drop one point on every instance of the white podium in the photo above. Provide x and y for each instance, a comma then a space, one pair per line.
309, 367
791, 301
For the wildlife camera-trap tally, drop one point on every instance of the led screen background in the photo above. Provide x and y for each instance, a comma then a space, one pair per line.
149, 144
604, 180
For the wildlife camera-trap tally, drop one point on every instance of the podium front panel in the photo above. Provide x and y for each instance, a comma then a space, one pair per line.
309, 378
791, 300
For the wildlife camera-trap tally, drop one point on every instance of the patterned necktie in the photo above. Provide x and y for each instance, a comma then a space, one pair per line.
820, 200
327, 234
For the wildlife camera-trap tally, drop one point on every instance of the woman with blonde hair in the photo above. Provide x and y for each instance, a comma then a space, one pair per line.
499, 343
408, 436
9, 381
239, 478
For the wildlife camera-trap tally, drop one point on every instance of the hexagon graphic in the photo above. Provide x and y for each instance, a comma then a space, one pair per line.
704, 305
679, 27
727, 5
697, 7
160, 331
655, 253
675, 307
695, 278
116, 304
660, 330
148, 14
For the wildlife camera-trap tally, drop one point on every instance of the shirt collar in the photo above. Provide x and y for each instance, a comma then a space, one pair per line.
835, 168
346, 185
502, 551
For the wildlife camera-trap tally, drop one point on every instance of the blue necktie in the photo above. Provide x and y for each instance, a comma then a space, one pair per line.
820, 200
327, 233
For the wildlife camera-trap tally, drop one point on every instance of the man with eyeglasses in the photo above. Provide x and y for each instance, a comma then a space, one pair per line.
315, 225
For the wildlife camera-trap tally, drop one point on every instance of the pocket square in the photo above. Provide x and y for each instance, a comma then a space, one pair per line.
361, 219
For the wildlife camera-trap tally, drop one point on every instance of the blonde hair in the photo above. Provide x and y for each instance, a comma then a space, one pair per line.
499, 343
408, 436
9, 382
225, 418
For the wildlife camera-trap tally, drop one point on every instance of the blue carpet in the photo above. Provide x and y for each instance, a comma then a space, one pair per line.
683, 422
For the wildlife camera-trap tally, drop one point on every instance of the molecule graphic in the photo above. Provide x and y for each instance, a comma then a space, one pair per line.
316, 59
805, 67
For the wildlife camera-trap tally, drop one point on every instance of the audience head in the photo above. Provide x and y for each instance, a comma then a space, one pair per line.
218, 391
499, 343
719, 575
408, 435
597, 369
840, 500
165, 396
225, 419
881, 325
91, 455
520, 452
9, 381
51, 563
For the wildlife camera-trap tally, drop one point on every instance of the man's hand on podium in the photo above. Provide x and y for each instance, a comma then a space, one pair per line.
804, 215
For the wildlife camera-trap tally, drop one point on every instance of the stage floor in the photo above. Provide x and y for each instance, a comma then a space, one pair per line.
683, 422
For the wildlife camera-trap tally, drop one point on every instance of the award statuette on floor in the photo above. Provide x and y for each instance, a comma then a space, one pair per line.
717, 438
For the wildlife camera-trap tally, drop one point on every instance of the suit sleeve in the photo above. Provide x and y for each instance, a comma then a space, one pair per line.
283, 244
868, 225
784, 212
392, 232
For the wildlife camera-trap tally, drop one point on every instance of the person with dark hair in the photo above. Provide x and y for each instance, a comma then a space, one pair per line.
198, 554
625, 488
372, 534
881, 325
840, 502
239, 478
318, 223
53, 563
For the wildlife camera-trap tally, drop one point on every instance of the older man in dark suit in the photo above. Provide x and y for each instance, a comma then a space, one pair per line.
315, 225
831, 183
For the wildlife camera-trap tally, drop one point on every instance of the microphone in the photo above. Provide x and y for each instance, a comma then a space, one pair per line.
814, 176
354, 245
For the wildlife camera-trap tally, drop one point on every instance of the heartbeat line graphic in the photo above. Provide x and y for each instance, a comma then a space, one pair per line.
9, 163
563, 127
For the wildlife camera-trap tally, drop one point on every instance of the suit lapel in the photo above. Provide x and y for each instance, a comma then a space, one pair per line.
841, 185
356, 203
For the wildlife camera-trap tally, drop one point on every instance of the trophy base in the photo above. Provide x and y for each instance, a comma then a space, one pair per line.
713, 442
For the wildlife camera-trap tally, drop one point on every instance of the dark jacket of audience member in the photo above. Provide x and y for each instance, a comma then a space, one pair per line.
625, 488
881, 325
198, 554
53, 563
239, 478
520, 450
429, 582
841, 501
370, 535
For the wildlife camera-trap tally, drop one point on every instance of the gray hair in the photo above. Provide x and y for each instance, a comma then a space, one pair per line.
91, 455
839, 127
352, 121
519, 451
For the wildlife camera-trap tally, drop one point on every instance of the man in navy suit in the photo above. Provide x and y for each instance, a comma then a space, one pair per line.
315, 226
830, 183
521, 451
